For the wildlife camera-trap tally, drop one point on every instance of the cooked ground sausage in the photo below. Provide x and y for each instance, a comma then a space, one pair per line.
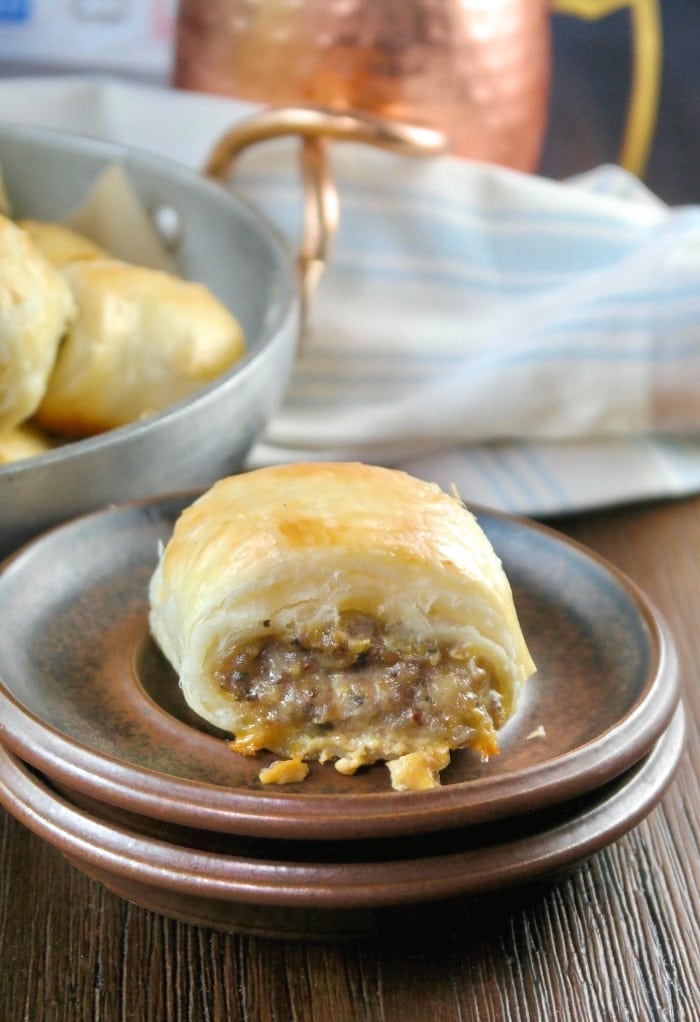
362, 673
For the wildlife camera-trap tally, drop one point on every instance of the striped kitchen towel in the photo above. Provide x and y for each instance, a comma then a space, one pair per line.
534, 343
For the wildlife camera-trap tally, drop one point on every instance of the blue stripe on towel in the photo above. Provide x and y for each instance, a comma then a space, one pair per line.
545, 242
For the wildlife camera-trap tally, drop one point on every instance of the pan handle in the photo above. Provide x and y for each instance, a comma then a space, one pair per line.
315, 126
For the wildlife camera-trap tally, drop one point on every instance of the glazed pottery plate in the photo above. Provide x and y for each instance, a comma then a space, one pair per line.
338, 889
87, 698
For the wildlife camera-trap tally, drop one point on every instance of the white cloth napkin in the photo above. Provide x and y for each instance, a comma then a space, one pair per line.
534, 343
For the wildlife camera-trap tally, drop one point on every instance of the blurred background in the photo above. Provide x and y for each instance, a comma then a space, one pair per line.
590, 74
588, 101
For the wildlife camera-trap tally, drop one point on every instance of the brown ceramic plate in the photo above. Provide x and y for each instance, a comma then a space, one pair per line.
87, 698
336, 889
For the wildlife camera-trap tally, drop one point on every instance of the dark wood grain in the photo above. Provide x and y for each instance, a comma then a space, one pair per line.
617, 940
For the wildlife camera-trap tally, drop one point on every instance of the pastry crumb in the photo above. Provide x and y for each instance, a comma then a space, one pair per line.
284, 771
539, 732
417, 771
349, 765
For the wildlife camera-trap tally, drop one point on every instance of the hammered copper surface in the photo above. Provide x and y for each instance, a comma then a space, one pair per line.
87, 697
477, 71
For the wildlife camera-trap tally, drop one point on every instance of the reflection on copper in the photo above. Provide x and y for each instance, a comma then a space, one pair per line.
477, 70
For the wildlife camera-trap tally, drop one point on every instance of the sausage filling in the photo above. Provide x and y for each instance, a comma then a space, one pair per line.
359, 681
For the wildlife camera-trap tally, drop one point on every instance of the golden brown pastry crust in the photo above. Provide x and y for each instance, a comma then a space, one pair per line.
24, 441
61, 245
36, 306
142, 340
383, 582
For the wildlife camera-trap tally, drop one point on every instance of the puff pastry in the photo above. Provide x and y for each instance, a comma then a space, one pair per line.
142, 339
341, 612
61, 245
24, 441
36, 306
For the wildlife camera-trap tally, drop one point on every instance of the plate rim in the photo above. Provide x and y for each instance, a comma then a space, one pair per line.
87, 840
265, 813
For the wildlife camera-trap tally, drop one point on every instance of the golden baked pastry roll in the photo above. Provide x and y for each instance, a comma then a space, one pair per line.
142, 339
23, 441
341, 612
61, 245
35, 307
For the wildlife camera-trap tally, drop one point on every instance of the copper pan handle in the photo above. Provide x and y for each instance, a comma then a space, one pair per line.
315, 126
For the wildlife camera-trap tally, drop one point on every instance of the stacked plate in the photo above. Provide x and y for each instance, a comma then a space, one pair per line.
102, 758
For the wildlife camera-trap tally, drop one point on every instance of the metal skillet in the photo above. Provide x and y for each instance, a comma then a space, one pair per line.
222, 242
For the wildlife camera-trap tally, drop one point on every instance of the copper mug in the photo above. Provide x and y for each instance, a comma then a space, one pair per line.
476, 70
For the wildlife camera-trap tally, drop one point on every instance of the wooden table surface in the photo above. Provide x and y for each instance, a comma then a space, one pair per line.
617, 939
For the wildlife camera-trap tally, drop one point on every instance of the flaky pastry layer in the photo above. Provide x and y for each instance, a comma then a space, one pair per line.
340, 612
36, 307
142, 339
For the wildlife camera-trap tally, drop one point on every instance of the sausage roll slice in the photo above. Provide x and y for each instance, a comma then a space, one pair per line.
36, 306
341, 612
61, 245
23, 441
142, 339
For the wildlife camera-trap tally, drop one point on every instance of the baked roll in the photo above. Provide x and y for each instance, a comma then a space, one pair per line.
142, 339
340, 612
61, 245
36, 306
23, 441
